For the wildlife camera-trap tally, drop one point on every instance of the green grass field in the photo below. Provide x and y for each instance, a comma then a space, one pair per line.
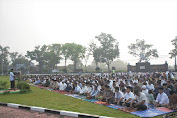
48, 99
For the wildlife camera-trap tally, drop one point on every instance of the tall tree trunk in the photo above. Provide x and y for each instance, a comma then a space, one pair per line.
108, 70
75, 66
96, 63
86, 66
65, 62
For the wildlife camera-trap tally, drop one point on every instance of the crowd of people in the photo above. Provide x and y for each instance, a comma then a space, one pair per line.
134, 90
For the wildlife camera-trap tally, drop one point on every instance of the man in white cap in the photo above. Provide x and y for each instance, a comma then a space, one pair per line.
144, 90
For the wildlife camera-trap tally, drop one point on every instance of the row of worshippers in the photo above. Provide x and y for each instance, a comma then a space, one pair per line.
122, 90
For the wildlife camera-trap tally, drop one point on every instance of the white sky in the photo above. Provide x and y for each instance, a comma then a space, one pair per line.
27, 23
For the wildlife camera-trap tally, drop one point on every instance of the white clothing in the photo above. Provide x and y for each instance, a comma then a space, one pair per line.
62, 86
129, 95
142, 97
119, 95
145, 92
162, 98
78, 89
150, 87
12, 76
89, 89
84, 89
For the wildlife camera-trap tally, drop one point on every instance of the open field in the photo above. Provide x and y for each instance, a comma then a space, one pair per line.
48, 99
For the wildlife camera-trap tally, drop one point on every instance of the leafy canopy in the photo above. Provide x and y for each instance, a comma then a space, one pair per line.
142, 50
173, 52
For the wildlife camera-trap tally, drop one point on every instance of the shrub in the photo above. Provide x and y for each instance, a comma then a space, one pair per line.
97, 69
3, 85
23, 86
6, 92
65, 70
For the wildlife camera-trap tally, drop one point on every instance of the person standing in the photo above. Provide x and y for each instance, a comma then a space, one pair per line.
12, 79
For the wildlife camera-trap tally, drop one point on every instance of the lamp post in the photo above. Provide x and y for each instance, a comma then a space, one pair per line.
175, 63
2, 62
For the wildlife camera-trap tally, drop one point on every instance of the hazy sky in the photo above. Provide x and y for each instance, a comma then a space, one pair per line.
27, 23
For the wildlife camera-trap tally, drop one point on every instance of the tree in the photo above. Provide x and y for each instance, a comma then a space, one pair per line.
13, 56
38, 55
17, 58
107, 51
173, 52
142, 50
53, 55
95, 52
66, 51
86, 55
77, 52
46, 55
4, 53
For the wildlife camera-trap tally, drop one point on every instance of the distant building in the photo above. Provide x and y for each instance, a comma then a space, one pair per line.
147, 67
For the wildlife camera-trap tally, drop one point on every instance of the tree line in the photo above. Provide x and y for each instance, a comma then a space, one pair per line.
104, 49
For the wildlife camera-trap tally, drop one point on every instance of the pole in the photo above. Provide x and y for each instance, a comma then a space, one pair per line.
175, 63
2, 62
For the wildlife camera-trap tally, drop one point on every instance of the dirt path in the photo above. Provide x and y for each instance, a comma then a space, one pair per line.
7, 112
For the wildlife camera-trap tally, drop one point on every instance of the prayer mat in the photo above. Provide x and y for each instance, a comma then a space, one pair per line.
115, 106
149, 113
164, 109
92, 100
127, 109
101, 103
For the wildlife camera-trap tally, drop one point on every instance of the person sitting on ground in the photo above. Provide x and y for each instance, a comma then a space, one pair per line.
38, 81
101, 93
94, 93
73, 88
55, 85
89, 86
170, 85
68, 88
121, 100
141, 99
172, 101
144, 90
117, 95
51, 83
175, 86
166, 89
63, 86
151, 98
108, 95
156, 90
47, 83
127, 83
77, 89
150, 85
129, 96
84, 89
59, 83
162, 98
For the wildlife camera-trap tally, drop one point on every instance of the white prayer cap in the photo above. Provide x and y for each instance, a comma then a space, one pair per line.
144, 87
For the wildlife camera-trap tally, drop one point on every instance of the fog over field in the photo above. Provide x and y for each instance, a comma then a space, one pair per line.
27, 23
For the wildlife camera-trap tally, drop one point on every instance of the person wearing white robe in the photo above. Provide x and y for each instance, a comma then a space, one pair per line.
162, 99
144, 90
63, 86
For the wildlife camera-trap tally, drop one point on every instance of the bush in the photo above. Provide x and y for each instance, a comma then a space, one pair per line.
65, 70
23, 86
6, 92
97, 69
3, 85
